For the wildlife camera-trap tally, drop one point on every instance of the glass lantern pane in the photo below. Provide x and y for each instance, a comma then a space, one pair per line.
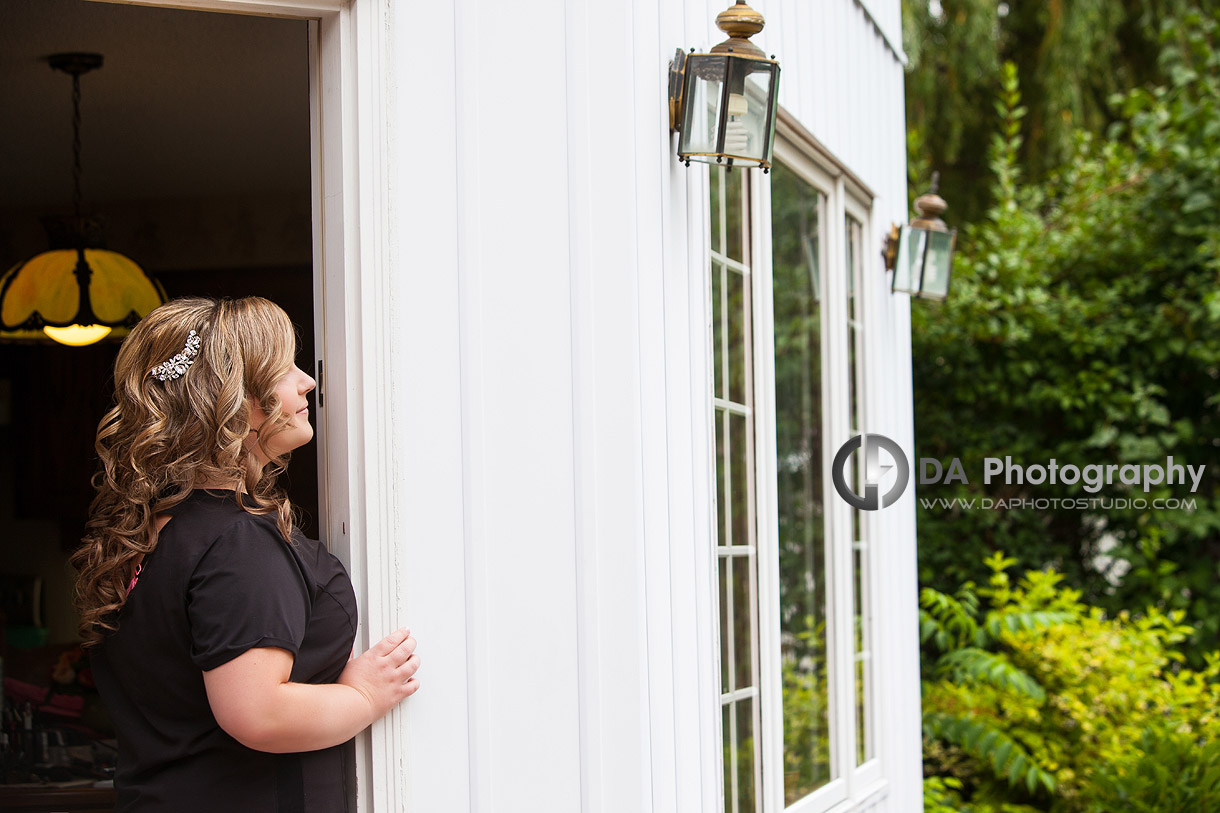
910, 257
902, 262
749, 108
772, 113
935, 283
701, 106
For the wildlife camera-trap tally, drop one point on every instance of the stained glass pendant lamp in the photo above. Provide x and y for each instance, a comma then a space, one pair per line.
77, 292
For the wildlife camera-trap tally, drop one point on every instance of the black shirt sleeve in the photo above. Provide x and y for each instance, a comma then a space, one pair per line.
246, 591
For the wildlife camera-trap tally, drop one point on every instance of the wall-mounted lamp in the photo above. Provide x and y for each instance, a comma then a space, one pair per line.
723, 102
921, 254
76, 293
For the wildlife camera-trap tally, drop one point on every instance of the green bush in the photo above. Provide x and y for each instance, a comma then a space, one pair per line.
1171, 770
1036, 701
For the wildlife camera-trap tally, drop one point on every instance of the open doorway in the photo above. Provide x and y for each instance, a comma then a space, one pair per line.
196, 151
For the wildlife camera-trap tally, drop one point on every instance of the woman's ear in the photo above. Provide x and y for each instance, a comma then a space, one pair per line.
253, 442
257, 415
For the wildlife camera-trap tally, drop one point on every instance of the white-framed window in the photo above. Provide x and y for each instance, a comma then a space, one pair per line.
789, 266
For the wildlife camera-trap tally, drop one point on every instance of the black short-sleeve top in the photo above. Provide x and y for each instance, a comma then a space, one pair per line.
222, 581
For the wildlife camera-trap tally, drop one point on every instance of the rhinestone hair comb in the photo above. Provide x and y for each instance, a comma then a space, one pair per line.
177, 366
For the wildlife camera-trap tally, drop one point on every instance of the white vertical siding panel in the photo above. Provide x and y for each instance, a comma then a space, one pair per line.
769, 39
622, 408
613, 657
839, 98
654, 43
702, 590
793, 57
692, 574
908, 773
518, 418
425, 382
818, 116
806, 40
710, 34
860, 32
867, 103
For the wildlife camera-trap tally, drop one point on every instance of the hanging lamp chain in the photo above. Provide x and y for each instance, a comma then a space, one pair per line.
76, 150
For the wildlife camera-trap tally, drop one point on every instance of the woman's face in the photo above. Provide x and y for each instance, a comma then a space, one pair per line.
291, 389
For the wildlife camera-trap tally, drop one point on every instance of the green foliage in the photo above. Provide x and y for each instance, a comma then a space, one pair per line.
1072, 58
1082, 327
1034, 700
1170, 770
988, 743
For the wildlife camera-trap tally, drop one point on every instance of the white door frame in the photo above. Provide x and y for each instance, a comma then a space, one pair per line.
350, 103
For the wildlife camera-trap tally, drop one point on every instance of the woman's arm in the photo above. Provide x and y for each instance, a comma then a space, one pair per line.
256, 704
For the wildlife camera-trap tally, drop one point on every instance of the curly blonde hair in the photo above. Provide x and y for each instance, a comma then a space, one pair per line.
162, 439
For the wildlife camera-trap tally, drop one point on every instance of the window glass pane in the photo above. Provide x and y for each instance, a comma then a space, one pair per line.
722, 506
857, 616
743, 621
746, 801
735, 214
735, 483
718, 317
716, 190
861, 617
738, 325
852, 235
861, 740
742, 531
797, 235
725, 632
727, 724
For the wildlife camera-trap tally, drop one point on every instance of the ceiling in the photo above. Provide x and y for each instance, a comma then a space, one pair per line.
188, 104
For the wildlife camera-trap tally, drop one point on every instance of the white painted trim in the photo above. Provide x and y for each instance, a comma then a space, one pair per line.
771, 783
296, 9
706, 563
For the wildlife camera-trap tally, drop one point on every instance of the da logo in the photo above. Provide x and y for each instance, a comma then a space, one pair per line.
874, 471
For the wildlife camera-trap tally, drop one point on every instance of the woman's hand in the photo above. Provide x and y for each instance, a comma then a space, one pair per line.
383, 674
256, 704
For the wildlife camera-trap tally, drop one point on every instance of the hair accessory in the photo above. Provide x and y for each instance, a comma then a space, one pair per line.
177, 366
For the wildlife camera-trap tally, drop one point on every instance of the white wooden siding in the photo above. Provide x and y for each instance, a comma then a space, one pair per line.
573, 281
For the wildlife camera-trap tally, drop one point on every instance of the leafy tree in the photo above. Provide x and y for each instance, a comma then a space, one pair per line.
1082, 327
1071, 57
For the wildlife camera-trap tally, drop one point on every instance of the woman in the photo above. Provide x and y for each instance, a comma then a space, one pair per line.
221, 638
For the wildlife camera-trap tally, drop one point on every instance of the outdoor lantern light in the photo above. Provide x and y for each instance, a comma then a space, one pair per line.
921, 254
723, 103
76, 293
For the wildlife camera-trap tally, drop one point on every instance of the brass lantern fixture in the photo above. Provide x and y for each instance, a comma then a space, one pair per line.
921, 254
723, 103
77, 292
